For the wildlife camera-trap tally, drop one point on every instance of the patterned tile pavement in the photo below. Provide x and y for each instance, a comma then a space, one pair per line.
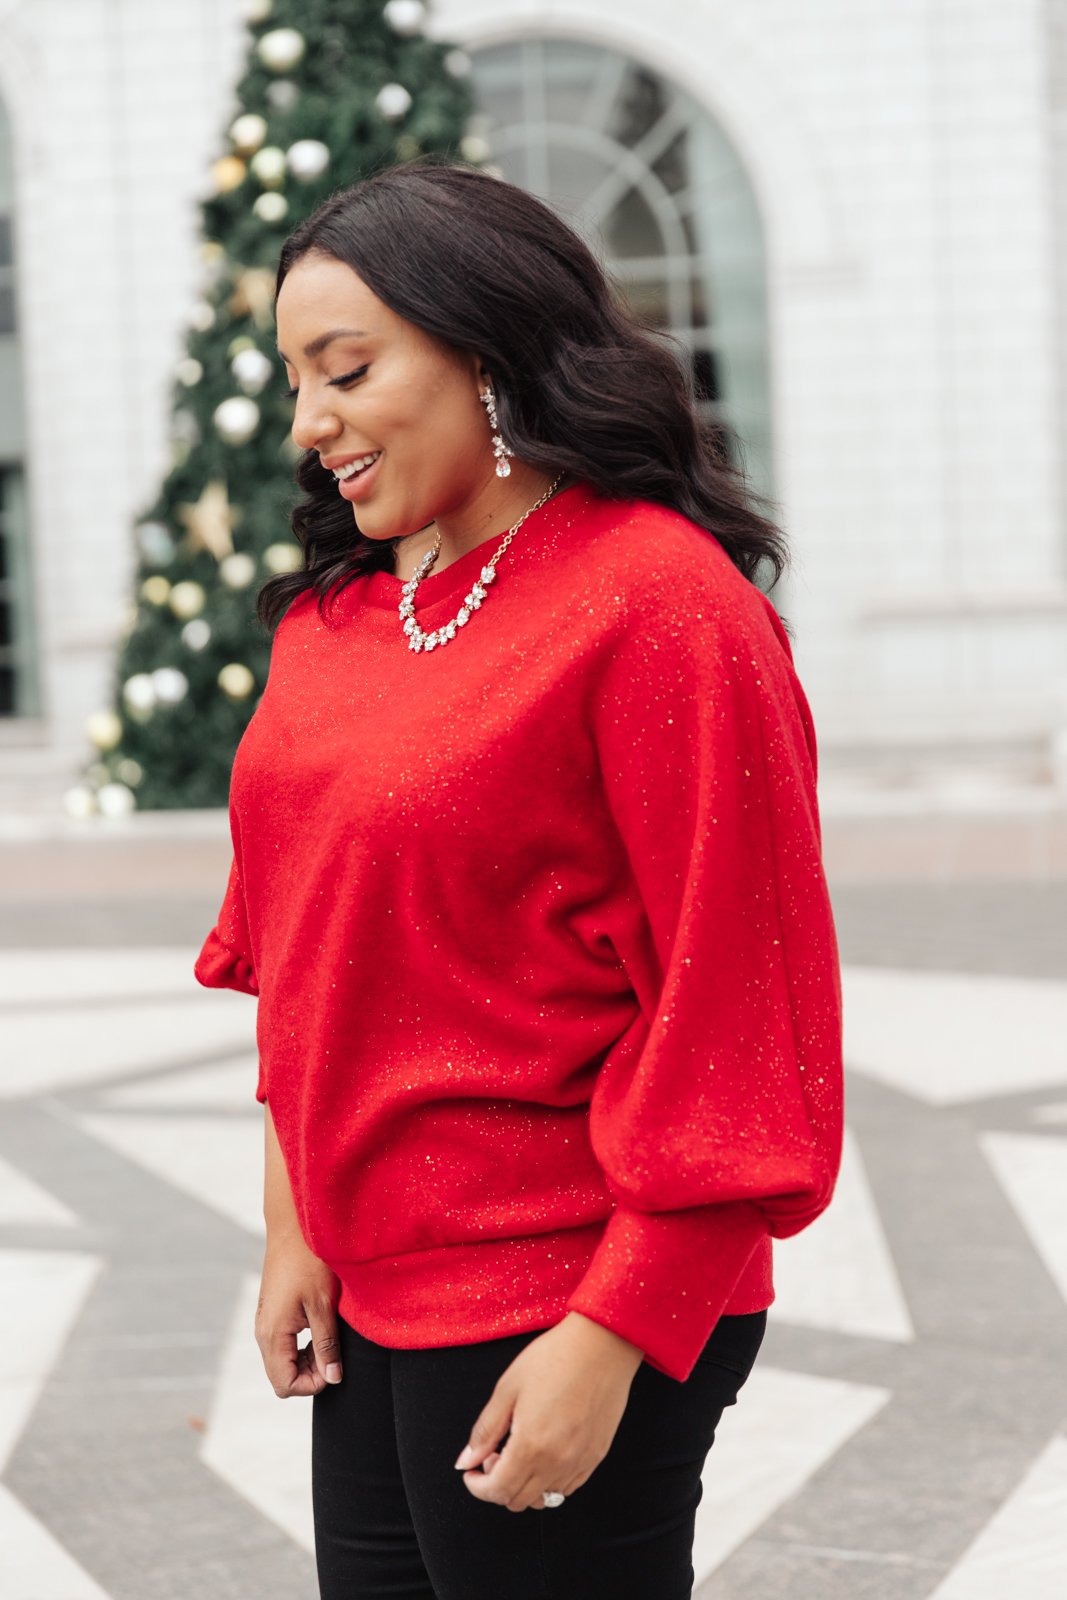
902, 1437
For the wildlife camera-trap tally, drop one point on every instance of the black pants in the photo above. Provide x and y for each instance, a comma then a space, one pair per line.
394, 1517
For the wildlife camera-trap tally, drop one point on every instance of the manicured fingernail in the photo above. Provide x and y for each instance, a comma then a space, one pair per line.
333, 1373
465, 1457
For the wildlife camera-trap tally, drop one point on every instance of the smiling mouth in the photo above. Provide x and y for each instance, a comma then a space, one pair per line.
354, 468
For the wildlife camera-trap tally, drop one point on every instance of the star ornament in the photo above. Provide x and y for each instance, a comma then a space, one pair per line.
209, 521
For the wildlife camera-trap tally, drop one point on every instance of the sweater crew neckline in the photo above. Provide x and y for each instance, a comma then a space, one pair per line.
384, 589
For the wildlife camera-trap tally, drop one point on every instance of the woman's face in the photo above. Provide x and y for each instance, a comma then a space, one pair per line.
370, 382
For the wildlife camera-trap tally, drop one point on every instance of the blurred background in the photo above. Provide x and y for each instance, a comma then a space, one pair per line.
851, 219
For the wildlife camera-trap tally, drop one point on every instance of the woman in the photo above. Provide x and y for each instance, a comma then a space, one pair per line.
527, 878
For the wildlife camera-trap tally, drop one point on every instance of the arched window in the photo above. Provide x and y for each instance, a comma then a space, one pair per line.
655, 187
18, 678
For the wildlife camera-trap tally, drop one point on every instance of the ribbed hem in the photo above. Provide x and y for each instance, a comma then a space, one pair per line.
468, 1293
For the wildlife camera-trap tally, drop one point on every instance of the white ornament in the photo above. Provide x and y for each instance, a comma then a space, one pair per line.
393, 101
270, 207
130, 771
236, 681
308, 158
202, 316
236, 419
268, 165
252, 369
282, 94
281, 49
238, 570
139, 692
474, 148
283, 557
187, 599
196, 635
248, 133
189, 371
405, 17
458, 63
104, 729
79, 801
115, 800
253, 11
171, 685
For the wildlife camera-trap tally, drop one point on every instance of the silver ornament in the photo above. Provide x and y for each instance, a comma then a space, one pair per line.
236, 419
308, 158
196, 634
393, 101
282, 94
171, 685
252, 369
155, 542
406, 17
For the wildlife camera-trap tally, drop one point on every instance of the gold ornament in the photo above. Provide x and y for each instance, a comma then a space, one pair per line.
248, 133
209, 521
156, 590
283, 557
228, 173
236, 681
186, 600
253, 295
104, 729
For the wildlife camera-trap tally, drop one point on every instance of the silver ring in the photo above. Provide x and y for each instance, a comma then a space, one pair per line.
551, 1497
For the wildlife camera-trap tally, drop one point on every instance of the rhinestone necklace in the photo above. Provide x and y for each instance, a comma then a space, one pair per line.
420, 640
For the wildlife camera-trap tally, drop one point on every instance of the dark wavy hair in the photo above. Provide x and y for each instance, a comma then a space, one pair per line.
583, 386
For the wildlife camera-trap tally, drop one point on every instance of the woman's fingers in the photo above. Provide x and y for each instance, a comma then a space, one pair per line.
325, 1343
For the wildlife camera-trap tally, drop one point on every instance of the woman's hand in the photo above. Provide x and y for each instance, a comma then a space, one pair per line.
297, 1291
563, 1398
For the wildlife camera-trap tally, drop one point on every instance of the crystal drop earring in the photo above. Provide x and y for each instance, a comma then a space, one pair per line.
500, 449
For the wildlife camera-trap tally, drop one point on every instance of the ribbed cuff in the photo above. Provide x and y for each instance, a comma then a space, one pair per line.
662, 1278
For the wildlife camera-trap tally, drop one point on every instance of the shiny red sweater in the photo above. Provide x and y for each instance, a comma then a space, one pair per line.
549, 994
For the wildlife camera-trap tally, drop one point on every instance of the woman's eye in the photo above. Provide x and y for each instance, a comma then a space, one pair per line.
348, 377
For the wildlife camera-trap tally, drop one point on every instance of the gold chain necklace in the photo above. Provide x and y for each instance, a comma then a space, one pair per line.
418, 639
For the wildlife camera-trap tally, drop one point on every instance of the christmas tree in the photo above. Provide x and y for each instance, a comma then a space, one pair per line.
332, 91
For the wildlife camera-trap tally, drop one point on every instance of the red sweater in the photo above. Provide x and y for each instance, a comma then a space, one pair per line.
549, 994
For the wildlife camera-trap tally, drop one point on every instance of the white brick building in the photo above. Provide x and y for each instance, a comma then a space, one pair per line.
865, 244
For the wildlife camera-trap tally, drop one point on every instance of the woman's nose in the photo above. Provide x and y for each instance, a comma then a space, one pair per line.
313, 425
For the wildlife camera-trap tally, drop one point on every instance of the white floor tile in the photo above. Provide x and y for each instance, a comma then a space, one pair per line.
33, 1564
784, 1426
259, 1444
1022, 1550
218, 1161
1033, 1173
943, 1037
838, 1273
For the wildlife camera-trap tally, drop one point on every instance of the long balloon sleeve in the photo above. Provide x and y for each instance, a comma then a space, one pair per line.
727, 1123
